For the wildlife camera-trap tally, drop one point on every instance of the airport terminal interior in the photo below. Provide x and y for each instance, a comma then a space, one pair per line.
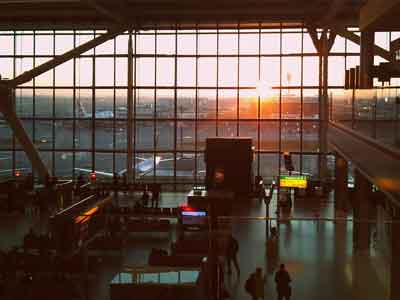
167, 149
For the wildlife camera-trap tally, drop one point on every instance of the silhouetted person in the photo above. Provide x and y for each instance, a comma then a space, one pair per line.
255, 284
29, 182
115, 182
282, 280
272, 244
145, 197
125, 182
155, 195
231, 255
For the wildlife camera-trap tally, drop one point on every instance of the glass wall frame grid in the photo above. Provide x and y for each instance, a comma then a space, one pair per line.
218, 89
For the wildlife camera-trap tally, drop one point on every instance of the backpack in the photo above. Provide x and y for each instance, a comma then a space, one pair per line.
249, 285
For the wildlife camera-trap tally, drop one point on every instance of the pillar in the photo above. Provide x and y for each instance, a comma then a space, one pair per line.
341, 192
129, 125
366, 59
323, 105
361, 211
9, 114
395, 260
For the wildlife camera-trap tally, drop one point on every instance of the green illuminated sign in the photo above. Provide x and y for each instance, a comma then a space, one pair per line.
293, 181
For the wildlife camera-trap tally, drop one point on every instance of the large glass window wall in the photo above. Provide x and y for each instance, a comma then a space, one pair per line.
188, 85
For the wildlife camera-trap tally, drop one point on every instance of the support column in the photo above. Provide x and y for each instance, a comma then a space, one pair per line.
395, 260
323, 107
129, 159
366, 58
341, 192
7, 108
361, 211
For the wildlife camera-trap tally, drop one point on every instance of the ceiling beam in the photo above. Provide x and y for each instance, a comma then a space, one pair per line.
58, 60
374, 12
335, 7
356, 39
105, 11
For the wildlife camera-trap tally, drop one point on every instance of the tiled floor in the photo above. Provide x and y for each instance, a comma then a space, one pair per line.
318, 254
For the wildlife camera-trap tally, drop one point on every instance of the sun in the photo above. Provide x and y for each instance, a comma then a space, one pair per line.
264, 90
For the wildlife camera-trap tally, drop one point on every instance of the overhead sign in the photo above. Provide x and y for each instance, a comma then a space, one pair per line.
293, 182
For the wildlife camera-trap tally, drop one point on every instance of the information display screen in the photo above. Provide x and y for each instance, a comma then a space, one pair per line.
293, 182
194, 217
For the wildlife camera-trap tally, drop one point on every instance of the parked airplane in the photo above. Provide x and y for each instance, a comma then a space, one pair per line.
106, 114
143, 167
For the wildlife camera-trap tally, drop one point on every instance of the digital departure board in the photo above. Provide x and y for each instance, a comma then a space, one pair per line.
293, 181
194, 218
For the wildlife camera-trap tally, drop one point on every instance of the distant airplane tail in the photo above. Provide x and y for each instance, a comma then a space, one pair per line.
82, 113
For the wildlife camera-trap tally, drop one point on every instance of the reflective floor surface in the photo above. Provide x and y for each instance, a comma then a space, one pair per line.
318, 254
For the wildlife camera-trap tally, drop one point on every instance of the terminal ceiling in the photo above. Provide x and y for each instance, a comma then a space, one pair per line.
103, 14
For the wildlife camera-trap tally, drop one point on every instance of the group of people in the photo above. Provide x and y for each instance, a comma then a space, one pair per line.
254, 285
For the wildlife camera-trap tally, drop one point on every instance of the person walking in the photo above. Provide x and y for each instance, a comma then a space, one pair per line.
282, 280
255, 285
231, 255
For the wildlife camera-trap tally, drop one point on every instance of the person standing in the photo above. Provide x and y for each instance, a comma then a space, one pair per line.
231, 255
282, 280
255, 284
155, 195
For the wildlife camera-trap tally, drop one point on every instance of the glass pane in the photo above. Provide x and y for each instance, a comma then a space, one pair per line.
248, 72
104, 71
145, 72
186, 104
228, 44
165, 44
144, 103
291, 71
228, 71
24, 103
291, 43
104, 135
310, 136
310, 104
227, 104
165, 71
144, 135
165, 104
64, 138
290, 136
311, 71
164, 136
7, 68
269, 136
63, 164
7, 45
185, 135
205, 129
249, 43
207, 104
186, 69
186, 44
64, 103
44, 103
291, 104
145, 43
227, 129
207, 72
207, 44
270, 43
